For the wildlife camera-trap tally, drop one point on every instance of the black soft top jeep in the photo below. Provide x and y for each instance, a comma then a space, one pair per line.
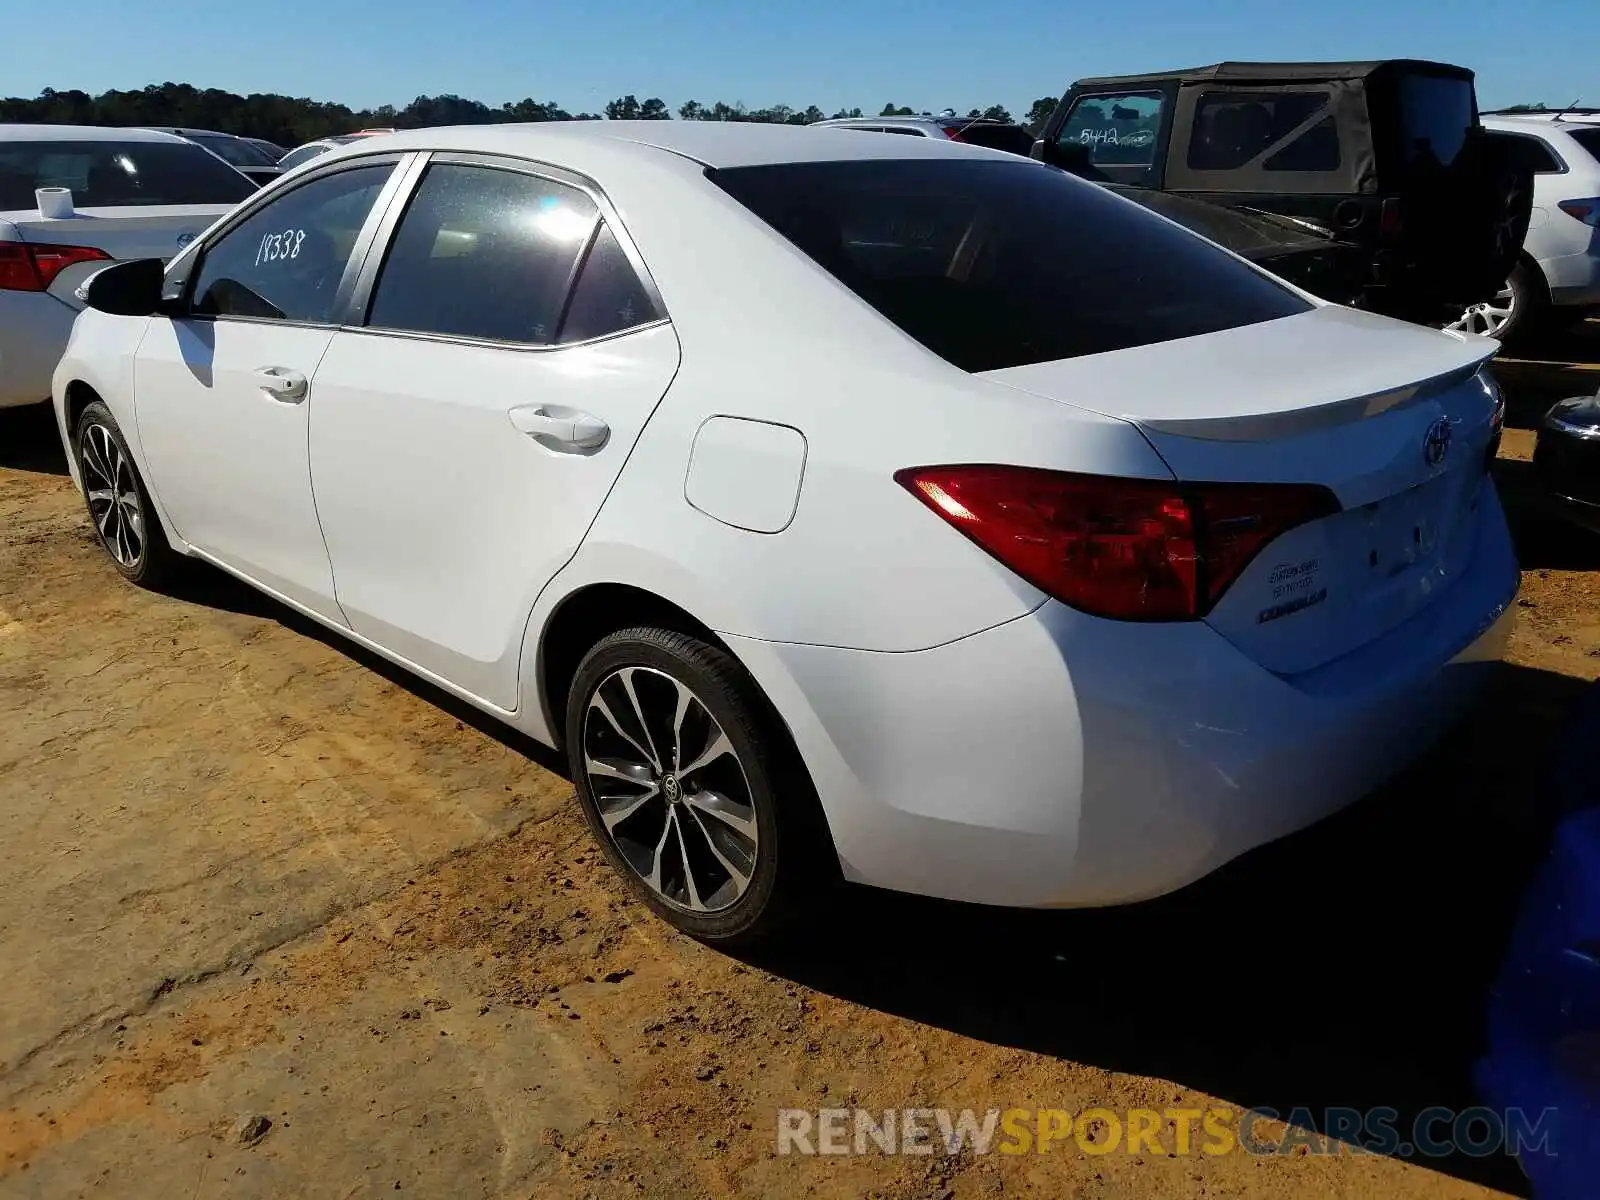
1388, 156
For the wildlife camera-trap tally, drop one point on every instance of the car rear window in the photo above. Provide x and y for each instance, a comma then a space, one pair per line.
234, 150
1011, 138
1589, 139
109, 174
995, 264
1436, 111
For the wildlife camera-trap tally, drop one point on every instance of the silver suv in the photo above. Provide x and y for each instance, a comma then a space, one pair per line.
979, 131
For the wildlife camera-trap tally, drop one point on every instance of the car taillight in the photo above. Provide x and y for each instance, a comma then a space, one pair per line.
1390, 220
953, 132
1131, 549
1587, 211
33, 267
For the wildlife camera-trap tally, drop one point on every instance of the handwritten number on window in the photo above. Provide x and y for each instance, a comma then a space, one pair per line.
275, 247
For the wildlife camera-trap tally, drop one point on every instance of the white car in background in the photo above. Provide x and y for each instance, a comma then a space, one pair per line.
1559, 275
133, 194
882, 506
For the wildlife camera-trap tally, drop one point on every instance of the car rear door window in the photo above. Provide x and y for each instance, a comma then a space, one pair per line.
609, 296
1232, 129
286, 260
484, 253
998, 263
1120, 128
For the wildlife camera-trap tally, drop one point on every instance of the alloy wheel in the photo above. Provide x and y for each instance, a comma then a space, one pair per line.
113, 495
670, 790
1490, 317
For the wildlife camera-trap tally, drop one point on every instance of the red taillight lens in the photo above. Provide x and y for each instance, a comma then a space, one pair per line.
953, 132
1390, 219
32, 267
1587, 211
1132, 549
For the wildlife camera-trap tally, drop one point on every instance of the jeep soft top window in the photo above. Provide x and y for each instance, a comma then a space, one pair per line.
107, 174
1436, 112
1235, 128
1119, 128
998, 264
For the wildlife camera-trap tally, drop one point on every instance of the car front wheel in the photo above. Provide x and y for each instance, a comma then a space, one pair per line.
119, 504
684, 781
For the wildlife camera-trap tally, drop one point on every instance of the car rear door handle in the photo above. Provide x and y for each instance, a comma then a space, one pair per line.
562, 429
281, 383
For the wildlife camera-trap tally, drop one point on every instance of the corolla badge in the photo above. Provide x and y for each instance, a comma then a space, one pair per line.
185, 238
1436, 442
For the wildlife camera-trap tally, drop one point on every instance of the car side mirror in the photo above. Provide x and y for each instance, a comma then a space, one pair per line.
126, 289
1069, 156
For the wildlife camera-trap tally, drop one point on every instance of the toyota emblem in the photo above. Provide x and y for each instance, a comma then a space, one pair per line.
1436, 443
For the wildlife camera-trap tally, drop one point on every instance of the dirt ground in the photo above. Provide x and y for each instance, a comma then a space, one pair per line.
252, 872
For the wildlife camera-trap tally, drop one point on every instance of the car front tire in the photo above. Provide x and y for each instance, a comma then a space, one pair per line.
695, 797
118, 501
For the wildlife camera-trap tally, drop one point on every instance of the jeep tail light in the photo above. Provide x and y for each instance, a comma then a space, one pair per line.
1130, 549
1390, 221
33, 267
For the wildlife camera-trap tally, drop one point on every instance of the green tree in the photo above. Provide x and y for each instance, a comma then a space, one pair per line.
1039, 113
844, 113
995, 112
891, 110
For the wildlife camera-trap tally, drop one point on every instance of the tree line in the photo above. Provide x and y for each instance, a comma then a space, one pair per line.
290, 121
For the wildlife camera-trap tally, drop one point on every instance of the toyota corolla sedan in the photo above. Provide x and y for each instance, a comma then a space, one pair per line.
877, 508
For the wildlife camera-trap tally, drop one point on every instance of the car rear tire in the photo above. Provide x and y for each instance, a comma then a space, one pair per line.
118, 501
1517, 310
691, 789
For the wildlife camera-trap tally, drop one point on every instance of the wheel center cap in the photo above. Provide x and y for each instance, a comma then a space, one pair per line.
671, 789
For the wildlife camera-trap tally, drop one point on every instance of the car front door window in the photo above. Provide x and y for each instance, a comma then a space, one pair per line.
286, 260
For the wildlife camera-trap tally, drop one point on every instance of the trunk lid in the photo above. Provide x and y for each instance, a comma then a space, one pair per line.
1393, 418
145, 231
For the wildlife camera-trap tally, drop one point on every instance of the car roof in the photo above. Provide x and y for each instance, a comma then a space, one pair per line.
709, 143
81, 133
1532, 125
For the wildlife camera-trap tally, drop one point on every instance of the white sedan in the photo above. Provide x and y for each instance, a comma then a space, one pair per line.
106, 194
876, 507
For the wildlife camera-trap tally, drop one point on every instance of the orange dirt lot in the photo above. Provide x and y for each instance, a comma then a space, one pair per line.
253, 872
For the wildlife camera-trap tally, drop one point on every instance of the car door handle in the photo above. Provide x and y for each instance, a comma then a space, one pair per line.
562, 429
281, 383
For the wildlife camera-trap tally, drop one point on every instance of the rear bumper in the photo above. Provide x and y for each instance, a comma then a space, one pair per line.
1065, 760
34, 328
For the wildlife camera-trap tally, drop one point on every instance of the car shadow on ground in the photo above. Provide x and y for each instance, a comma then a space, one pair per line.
1348, 965
200, 583
1545, 539
29, 441
1547, 366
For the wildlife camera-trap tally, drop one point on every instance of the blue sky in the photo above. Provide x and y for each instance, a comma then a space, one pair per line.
931, 54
